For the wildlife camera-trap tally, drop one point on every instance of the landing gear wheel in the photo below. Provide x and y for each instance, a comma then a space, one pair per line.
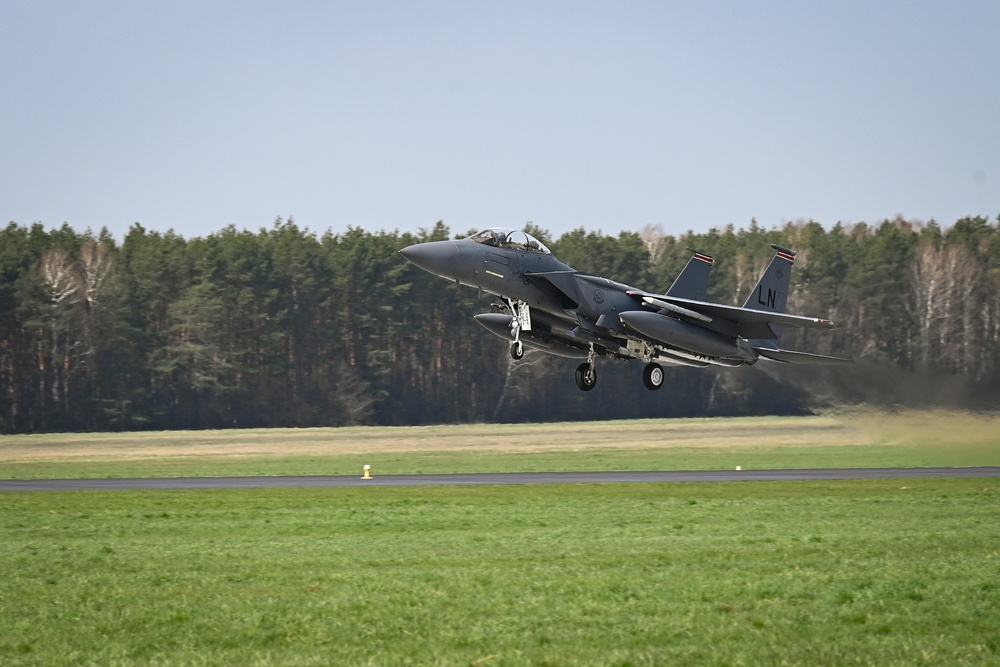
652, 376
586, 377
517, 350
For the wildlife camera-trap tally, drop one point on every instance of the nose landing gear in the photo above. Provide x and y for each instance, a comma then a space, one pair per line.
586, 377
521, 321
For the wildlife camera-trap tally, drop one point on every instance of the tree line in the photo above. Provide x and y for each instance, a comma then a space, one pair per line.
287, 327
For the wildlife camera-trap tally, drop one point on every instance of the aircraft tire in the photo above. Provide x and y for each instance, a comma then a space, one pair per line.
586, 377
652, 376
517, 351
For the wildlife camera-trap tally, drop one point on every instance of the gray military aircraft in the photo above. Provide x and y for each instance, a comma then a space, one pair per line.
554, 308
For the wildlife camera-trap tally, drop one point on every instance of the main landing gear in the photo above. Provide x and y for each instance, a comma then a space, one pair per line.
586, 374
652, 376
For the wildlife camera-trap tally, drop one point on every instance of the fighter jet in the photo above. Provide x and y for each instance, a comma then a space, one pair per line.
549, 306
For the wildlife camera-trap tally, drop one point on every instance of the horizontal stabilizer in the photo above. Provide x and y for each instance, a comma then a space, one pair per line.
794, 357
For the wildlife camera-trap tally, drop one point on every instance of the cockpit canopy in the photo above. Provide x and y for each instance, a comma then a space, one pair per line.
505, 237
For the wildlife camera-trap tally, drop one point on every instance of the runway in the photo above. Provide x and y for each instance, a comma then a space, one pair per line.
147, 484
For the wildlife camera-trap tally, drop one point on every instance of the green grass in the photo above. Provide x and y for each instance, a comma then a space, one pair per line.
854, 440
396, 463
900, 572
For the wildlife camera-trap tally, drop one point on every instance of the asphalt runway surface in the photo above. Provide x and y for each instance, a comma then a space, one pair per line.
126, 484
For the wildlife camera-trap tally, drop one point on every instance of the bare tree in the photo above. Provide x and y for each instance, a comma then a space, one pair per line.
951, 295
61, 276
95, 266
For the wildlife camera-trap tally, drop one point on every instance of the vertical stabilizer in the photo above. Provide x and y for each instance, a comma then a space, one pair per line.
771, 292
692, 281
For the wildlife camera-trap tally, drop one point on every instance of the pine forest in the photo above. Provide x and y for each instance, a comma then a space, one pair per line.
288, 327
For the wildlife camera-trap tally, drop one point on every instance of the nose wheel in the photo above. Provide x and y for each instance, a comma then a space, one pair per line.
586, 377
520, 321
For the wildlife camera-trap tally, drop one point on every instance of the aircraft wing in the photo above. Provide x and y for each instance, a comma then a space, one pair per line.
744, 317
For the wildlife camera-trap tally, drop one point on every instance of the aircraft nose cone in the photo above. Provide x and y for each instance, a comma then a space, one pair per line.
436, 257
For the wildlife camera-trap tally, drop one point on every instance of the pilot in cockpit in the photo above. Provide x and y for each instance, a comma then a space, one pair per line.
510, 238
488, 237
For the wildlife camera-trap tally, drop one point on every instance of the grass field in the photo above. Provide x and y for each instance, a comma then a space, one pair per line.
852, 440
862, 572
890, 572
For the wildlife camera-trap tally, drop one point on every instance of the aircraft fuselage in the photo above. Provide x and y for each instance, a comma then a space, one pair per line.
552, 307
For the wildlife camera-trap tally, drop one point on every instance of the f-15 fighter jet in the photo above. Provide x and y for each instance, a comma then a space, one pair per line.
550, 306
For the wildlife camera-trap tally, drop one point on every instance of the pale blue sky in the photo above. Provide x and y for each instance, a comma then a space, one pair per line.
391, 115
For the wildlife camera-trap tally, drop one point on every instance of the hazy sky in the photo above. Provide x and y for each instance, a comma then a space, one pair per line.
392, 115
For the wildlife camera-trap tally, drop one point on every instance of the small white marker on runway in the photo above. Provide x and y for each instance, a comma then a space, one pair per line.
739, 467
